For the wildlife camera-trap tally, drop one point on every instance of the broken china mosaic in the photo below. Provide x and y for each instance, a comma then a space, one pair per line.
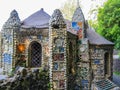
89, 63
60, 66
7, 50
78, 26
84, 75
58, 51
58, 59
84, 65
97, 63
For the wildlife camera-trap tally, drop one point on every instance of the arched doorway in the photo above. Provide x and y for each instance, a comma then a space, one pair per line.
35, 54
106, 64
70, 58
71, 68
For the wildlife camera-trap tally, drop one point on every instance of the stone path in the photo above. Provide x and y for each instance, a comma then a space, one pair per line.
116, 79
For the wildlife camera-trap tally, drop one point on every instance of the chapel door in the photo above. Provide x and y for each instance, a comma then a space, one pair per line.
35, 54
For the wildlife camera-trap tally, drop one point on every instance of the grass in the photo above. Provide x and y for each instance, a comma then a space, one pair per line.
117, 73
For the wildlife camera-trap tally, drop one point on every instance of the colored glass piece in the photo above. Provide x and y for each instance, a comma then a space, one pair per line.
75, 26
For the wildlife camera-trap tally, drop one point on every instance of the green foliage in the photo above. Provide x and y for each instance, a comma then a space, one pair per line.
11, 74
109, 21
117, 73
93, 23
36, 80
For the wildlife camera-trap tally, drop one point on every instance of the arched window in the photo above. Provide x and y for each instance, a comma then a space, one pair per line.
35, 54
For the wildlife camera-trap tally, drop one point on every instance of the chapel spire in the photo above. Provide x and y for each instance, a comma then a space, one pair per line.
13, 20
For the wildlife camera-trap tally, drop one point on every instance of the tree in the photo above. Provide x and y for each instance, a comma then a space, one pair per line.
68, 9
93, 12
109, 21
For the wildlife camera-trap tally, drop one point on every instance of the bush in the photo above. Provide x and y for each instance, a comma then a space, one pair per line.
28, 80
117, 73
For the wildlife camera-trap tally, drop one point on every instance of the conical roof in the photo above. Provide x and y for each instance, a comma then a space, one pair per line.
78, 15
39, 19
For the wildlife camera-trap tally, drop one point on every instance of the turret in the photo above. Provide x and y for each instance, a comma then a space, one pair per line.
13, 21
78, 22
57, 40
9, 30
83, 66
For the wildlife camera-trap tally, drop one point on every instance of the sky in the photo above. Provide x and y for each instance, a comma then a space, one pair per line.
27, 7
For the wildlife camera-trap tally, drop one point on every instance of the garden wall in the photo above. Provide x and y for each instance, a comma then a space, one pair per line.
116, 65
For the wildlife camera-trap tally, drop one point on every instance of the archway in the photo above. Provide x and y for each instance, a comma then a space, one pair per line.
71, 67
70, 57
106, 64
35, 54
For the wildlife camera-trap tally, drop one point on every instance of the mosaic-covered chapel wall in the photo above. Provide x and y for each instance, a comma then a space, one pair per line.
57, 40
83, 64
8, 48
35, 47
101, 62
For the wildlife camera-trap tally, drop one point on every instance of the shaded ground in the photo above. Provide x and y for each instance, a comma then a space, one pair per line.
116, 79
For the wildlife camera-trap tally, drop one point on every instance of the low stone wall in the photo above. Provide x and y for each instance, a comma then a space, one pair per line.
116, 79
116, 65
116, 70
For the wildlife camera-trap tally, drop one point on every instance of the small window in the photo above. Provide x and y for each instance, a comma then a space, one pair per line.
35, 54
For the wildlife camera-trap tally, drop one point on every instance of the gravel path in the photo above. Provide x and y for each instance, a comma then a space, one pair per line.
116, 79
